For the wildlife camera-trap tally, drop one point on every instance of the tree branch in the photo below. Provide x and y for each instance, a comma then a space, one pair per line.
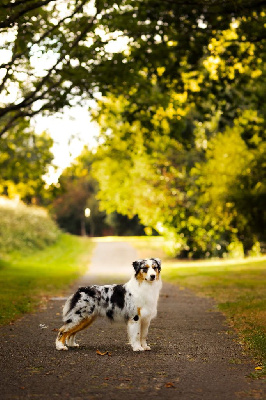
21, 108
11, 19
14, 107
17, 3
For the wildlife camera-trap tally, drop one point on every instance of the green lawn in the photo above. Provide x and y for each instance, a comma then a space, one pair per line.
27, 279
240, 292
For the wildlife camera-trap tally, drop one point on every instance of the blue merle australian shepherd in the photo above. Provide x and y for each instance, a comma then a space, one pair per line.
135, 302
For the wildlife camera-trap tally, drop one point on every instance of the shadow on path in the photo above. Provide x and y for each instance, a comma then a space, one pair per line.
194, 355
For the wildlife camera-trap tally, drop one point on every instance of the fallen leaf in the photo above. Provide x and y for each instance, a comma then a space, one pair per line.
105, 353
55, 330
258, 368
169, 385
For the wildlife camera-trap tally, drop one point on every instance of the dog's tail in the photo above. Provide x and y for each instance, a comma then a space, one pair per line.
67, 307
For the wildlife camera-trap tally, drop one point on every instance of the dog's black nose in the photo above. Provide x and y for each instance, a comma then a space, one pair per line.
152, 277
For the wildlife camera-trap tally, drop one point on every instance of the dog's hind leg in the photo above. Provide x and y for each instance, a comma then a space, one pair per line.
61, 338
70, 341
67, 334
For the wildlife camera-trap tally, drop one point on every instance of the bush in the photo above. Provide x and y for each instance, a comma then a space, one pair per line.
255, 251
235, 250
25, 227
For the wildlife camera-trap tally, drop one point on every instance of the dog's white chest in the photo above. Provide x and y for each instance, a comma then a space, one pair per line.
145, 296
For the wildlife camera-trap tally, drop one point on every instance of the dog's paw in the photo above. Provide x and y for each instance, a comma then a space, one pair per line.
138, 348
73, 345
146, 347
61, 347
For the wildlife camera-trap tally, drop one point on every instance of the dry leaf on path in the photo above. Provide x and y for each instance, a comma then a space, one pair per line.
105, 353
169, 385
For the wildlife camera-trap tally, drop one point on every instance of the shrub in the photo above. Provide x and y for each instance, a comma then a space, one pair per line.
235, 250
25, 227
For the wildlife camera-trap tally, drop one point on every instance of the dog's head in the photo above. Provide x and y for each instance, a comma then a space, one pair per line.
148, 269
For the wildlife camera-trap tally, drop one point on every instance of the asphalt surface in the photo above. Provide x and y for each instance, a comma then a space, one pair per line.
194, 353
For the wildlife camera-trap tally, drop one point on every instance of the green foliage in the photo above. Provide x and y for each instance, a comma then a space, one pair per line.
25, 228
182, 117
235, 250
77, 191
192, 154
24, 159
121, 225
188, 195
232, 179
69, 41
26, 279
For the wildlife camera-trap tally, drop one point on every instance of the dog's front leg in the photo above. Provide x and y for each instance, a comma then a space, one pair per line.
145, 323
134, 327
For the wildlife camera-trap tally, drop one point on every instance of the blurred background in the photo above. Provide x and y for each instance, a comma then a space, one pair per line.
134, 118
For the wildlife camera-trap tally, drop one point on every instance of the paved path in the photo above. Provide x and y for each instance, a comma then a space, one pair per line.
193, 354
112, 259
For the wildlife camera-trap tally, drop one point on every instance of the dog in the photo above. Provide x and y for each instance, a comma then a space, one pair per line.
134, 302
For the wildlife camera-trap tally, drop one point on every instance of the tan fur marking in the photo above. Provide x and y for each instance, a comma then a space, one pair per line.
141, 276
63, 335
157, 274
139, 310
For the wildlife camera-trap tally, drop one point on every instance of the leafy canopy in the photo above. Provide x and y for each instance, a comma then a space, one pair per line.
56, 53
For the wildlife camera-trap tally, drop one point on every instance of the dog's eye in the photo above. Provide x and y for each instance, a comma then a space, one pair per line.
144, 269
154, 267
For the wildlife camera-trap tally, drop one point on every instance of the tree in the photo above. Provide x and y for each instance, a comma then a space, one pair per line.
172, 144
24, 160
189, 73
56, 53
76, 192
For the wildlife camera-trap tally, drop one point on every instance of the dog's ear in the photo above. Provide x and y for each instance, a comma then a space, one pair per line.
158, 262
136, 265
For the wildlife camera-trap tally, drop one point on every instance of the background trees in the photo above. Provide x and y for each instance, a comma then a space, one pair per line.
58, 52
180, 101
24, 160
77, 191
188, 140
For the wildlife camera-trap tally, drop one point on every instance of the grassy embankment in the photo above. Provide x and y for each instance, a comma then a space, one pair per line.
238, 287
36, 259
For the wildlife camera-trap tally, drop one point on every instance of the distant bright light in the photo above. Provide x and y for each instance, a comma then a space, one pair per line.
235, 24
159, 227
87, 212
202, 24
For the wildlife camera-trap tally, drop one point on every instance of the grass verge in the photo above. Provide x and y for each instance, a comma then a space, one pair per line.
27, 279
239, 290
